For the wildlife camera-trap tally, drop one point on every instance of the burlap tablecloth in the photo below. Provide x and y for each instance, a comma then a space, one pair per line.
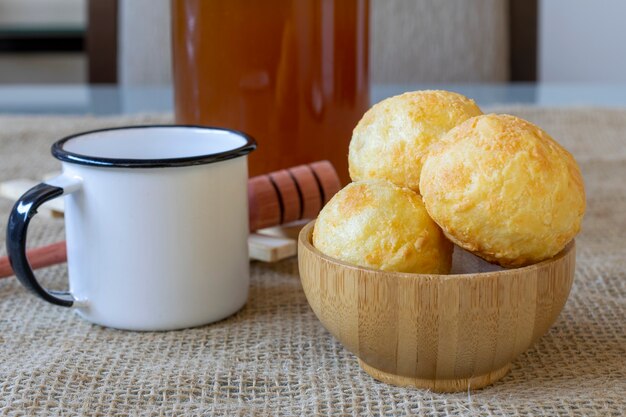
274, 357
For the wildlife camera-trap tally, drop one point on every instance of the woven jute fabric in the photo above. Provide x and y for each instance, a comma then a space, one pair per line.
274, 357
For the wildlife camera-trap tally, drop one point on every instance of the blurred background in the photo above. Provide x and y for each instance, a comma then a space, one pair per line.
127, 42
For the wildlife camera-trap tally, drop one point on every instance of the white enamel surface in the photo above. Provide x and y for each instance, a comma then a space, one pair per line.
158, 248
154, 143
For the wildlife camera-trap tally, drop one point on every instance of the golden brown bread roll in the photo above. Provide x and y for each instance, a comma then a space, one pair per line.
393, 137
502, 188
379, 225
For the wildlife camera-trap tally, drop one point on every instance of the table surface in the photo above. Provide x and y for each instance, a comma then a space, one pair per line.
114, 100
274, 357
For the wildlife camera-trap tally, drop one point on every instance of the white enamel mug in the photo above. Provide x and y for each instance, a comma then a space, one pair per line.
156, 222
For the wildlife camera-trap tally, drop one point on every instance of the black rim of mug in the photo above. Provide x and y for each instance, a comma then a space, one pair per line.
75, 158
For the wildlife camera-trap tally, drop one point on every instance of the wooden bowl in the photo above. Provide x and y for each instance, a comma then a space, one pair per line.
445, 333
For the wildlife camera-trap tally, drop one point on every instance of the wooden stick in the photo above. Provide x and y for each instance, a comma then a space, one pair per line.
38, 258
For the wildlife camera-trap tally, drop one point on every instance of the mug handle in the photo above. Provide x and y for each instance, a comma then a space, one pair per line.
23, 211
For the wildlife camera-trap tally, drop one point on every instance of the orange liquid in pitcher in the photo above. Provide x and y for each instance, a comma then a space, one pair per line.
294, 74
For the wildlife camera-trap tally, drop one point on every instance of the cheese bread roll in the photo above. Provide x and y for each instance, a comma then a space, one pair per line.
393, 137
379, 225
502, 188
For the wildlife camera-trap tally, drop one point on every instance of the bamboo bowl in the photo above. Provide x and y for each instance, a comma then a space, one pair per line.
445, 333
